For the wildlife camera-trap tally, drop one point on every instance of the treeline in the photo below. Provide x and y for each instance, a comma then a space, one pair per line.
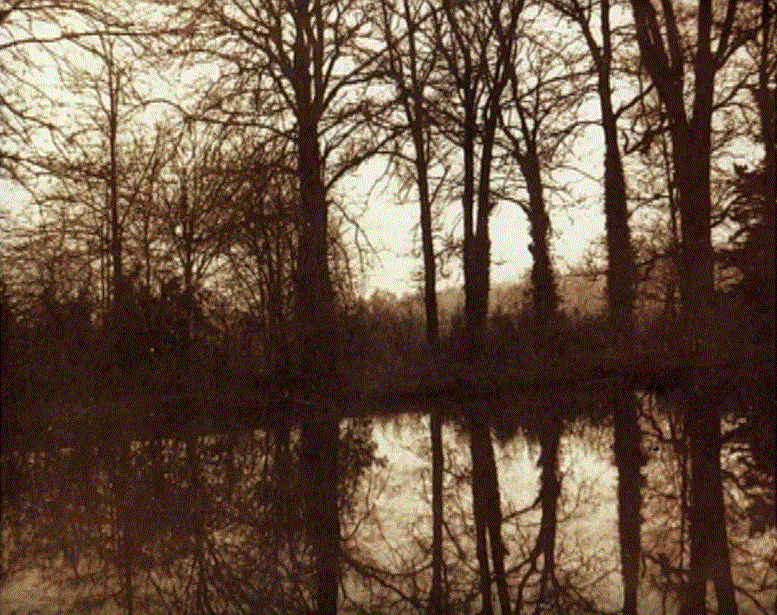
187, 240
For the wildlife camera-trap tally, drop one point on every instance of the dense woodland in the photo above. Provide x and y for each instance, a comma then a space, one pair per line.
191, 376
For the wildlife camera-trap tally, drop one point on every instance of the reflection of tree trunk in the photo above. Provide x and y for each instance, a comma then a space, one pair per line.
707, 516
124, 491
628, 460
550, 436
436, 602
495, 524
679, 435
282, 471
550, 428
128, 588
322, 515
129, 598
480, 505
197, 524
488, 515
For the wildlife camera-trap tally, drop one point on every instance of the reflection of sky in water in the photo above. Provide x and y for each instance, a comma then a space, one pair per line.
396, 513
31, 591
587, 509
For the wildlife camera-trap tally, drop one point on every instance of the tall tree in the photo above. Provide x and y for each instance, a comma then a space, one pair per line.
293, 72
477, 48
477, 43
621, 278
412, 61
664, 55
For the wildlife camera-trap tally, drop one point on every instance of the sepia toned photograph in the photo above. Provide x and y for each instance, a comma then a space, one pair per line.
387, 307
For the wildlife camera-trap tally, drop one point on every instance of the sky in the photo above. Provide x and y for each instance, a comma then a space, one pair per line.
389, 222
389, 226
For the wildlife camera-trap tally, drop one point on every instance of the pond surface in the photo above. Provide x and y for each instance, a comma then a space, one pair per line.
389, 527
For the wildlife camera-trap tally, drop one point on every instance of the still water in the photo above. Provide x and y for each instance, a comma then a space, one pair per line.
389, 527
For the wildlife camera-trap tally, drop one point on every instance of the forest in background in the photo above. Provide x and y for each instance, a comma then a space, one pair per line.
190, 375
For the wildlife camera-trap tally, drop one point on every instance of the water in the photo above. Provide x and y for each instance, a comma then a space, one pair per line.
389, 527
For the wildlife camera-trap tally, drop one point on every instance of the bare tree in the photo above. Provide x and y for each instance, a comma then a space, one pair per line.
536, 123
664, 55
299, 71
621, 278
412, 61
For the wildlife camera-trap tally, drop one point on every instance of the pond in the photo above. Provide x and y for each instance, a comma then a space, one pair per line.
386, 531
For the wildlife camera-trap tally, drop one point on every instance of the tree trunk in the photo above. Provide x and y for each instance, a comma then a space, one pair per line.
113, 187
316, 355
417, 118
620, 270
477, 311
430, 274
468, 209
544, 295
766, 104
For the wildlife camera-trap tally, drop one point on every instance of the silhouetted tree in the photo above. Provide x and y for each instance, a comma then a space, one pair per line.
477, 43
621, 278
664, 57
411, 68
